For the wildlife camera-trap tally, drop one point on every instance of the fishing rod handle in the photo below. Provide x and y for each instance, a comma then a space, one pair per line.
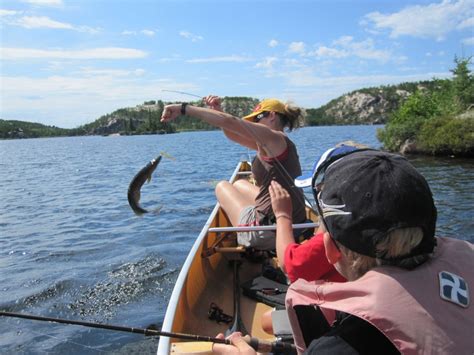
263, 346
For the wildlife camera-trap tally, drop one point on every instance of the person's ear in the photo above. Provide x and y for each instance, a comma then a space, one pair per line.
333, 254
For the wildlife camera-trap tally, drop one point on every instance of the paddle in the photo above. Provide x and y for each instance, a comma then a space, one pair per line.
257, 344
238, 325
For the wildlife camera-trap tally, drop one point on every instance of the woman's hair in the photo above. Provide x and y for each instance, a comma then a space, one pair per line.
293, 118
397, 243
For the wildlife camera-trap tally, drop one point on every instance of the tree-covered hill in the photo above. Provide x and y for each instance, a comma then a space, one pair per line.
145, 118
23, 129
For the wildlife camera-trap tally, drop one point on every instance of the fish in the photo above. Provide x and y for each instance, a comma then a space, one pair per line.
137, 182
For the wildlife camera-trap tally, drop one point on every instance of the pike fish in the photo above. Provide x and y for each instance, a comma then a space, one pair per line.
137, 182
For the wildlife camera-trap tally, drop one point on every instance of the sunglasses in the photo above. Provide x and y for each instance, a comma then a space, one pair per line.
261, 116
319, 203
318, 178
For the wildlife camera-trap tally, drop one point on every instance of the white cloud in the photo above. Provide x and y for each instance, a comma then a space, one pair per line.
94, 53
232, 58
468, 41
267, 63
344, 41
191, 36
273, 43
297, 47
431, 21
324, 51
87, 71
467, 23
148, 32
145, 32
344, 84
42, 22
44, 2
102, 93
4, 12
34, 22
345, 46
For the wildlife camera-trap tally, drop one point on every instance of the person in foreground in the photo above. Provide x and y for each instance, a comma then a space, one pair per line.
277, 159
407, 290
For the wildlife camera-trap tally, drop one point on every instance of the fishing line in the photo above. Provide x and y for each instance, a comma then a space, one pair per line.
182, 92
69, 341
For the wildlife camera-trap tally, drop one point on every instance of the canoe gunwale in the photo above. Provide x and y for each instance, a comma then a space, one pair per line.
164, 346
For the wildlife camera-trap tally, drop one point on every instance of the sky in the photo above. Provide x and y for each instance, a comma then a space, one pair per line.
66, 63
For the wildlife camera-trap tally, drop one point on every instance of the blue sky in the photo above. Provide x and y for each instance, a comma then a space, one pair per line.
66, 63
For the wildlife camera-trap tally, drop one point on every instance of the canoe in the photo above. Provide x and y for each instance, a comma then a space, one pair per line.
206, 279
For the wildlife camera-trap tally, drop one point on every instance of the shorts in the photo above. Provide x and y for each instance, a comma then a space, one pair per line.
281, 323
262, 240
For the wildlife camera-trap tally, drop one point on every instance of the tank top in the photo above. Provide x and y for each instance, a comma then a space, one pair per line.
284, 169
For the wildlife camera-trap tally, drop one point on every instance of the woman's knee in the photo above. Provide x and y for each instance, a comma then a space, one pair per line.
222, 187
240, 183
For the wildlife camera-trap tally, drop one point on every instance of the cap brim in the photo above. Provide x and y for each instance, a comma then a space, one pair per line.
250, 117
304, 180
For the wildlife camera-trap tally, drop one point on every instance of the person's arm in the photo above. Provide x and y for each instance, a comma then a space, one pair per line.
282, 208
242, 140
272, 142
214, 102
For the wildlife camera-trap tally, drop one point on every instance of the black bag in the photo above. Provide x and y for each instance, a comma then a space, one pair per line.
265, 290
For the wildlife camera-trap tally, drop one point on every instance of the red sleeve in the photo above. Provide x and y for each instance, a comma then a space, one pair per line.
308, 261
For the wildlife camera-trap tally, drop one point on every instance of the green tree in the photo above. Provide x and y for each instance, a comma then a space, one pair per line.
431, 118
463, 82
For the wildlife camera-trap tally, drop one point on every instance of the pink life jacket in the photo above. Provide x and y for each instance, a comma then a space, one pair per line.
421, 311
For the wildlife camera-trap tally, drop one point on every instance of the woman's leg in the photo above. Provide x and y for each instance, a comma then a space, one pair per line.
249, 190
232, 200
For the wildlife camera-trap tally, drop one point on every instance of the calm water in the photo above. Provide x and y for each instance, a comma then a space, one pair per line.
71, 247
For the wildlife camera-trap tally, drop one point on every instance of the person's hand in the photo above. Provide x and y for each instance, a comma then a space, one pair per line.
239, 345
170, 112
281, 201
213, 102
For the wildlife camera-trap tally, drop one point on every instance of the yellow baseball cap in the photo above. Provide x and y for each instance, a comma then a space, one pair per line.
266, 105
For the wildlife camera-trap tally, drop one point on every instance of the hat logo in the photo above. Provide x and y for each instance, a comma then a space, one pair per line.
258, 107
333, 210
453, 288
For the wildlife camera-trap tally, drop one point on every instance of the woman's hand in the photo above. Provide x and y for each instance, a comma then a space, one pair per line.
213, 102
170, 112
281, 201
239, 345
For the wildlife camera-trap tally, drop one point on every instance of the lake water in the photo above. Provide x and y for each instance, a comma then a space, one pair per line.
71, 247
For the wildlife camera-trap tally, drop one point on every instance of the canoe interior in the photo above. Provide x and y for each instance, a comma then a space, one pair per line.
210, 280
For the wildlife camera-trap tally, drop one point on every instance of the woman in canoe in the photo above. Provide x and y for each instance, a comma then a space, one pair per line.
277, 159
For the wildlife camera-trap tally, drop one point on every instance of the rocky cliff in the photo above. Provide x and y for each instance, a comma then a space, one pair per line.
365, 106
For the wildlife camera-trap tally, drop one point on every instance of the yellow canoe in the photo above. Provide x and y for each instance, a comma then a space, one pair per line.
206, 278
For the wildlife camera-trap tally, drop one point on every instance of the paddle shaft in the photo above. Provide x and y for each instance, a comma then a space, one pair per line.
258, 345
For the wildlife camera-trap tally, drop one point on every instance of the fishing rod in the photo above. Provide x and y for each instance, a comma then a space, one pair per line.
182, 92
255, 343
